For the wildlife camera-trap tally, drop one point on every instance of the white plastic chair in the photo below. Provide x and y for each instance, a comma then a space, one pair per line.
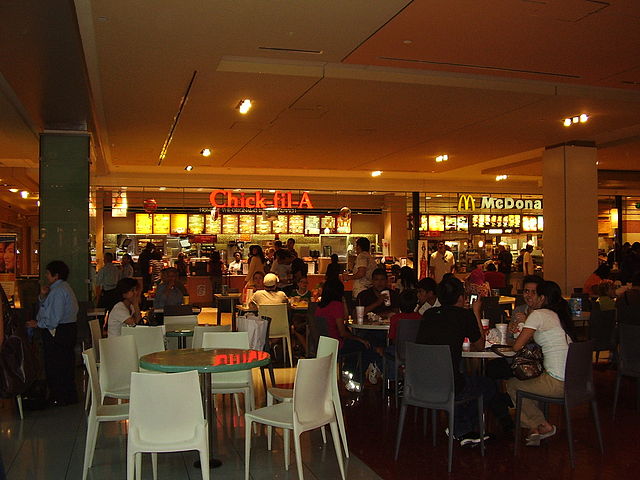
326, 346
179, 322
311, 408
148, 339
119, 359
98, 412
279, 325
200, 330
96, 335
232, 382
165, 416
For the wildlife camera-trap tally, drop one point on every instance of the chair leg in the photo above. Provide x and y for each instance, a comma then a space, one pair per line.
247, 447
90, 445
343, 433
131, 465
138, 458
516, 440
204, 463
403, 414
296, 441
324, 434
20, 411
596, 420
272, 375
434, 414
597, 356
336, 444
425, 414
87, 399
269, 427
236, 400
288, 340
451, 423
481, 422
567, 414
287, 447
615, 394
264, 380
397, 370
154, 465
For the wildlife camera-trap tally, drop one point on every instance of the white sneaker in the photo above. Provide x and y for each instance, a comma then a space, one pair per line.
372, 373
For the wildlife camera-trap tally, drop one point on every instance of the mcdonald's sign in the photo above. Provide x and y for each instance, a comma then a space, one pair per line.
466, 202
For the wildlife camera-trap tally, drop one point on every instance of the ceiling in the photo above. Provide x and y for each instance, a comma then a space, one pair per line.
339, 89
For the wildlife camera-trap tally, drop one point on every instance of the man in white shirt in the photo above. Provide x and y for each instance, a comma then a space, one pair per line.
268, 296
426, 295
363, 268
528, 268
441, 262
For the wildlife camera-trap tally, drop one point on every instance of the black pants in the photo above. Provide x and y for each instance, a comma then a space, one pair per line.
59, 362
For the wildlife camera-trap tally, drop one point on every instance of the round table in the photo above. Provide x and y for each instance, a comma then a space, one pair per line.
181, 335
205, 361
370, 326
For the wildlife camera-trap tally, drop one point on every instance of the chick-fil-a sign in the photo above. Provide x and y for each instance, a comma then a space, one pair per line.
277, 199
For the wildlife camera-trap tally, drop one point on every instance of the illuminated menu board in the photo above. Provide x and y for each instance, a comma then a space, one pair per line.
144, 223
328, 221
463, 223
263, 227
281, 224
495, 221
196, 224
312, 225
344, 225
230, 224
450, 223
436, 223
213, 227
424, 222
161, 224
532, 223
296, 224
247, 223
179, 223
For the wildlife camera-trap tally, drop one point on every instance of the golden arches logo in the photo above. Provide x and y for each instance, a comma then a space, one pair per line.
466, 202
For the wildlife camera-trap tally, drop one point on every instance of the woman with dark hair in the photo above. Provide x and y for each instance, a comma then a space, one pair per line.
408, 279
332, 309
127, 311
550, 326
216, 269
591, 283
256, 263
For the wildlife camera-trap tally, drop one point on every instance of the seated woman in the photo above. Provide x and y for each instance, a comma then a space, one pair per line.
126, 311
476, 284
332, 310
549, 325
591, 283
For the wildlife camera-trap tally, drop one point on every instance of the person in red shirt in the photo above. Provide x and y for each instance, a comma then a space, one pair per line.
408, 301
496, 279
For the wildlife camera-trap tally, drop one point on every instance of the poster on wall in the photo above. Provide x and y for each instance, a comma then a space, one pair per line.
8, 262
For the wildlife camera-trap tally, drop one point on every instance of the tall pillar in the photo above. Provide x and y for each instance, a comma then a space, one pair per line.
395, 224
64, 206
570, 189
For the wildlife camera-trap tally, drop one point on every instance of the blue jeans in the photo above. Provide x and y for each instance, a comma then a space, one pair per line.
466, 418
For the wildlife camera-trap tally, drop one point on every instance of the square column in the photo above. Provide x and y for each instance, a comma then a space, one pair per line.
570, 189
395, 224
64, 206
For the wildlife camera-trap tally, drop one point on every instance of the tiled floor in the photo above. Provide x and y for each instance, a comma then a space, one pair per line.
49, 445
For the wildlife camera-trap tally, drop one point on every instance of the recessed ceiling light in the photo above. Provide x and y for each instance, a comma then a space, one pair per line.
376, 173
38, 203
407, 42
244, 106
582, 118
13, 190
499, 178
162, 189
24, 194
439, 195
442, 158
272, 191
427, 198
205, 152
188, 168
237, 189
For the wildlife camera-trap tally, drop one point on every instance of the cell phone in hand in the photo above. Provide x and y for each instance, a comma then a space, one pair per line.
473, 298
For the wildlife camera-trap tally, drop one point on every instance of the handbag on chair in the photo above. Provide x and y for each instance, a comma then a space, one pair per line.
527, 363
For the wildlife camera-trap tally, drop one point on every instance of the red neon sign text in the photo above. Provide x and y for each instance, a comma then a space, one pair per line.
229, 199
